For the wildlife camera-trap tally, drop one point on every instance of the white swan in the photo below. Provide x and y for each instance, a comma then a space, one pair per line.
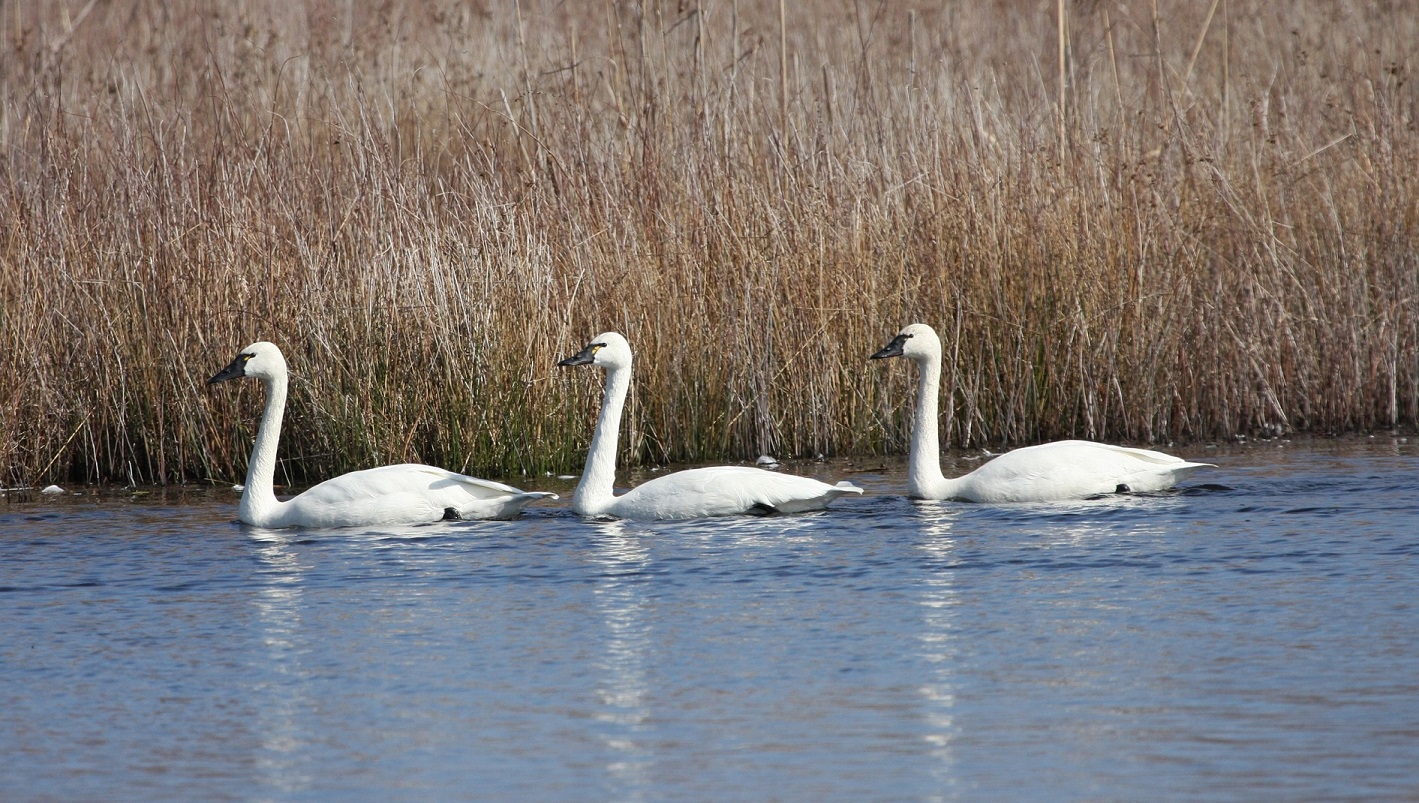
1049, 472
402, 494
693, 493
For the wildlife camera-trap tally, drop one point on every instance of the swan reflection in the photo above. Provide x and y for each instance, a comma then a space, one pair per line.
621, 601
939, 602
1088, 522
280, 699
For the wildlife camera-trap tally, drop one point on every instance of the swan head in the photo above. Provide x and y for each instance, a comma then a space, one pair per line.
260, 360
916, 342
608, 350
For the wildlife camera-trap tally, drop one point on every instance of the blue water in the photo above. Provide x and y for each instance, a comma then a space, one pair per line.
1253, 637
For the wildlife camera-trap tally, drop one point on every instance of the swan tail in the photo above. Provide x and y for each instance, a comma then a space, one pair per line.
485, 489
1188, 469
516, 503
505, 507
804, 504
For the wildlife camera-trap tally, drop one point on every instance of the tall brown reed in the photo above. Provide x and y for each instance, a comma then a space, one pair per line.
1137, 222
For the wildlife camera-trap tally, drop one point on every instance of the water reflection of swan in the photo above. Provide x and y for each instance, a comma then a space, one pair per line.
1089, 522
754, 531
620, 599
281, 701
938, 600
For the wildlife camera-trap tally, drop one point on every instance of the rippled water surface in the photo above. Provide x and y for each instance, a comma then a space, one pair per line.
1254, 636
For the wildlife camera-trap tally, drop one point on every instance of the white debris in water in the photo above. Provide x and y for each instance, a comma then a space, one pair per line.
52, 489
238, 487
766, 461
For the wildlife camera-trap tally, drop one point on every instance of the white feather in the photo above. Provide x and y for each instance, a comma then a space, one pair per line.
1058, 471
694, 493
400, 494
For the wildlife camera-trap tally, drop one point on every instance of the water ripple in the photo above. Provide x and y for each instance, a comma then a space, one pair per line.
1252, 636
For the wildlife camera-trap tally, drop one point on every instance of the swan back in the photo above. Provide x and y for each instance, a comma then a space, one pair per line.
401, 494
1066, 470
725, 491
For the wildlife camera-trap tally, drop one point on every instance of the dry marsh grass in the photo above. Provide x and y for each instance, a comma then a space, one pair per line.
1142, 222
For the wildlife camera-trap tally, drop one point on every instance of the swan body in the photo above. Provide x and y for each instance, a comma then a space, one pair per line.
1049, 472
401, 494
693, 493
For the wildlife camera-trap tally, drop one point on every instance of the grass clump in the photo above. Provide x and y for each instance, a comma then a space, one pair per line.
1139, 222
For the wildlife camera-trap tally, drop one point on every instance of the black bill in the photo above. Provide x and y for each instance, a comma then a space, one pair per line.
584, 357
236, 370
893, 349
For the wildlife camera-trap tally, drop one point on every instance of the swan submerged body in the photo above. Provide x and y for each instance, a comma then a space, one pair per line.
401, 494
1049, 472
689, 494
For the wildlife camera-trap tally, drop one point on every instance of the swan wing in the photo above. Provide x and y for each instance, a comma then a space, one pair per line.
726, 491
405, 493
1073, 469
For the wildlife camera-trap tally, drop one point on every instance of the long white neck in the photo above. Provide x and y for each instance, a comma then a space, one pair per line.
596, 491
924, 477
258, 499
